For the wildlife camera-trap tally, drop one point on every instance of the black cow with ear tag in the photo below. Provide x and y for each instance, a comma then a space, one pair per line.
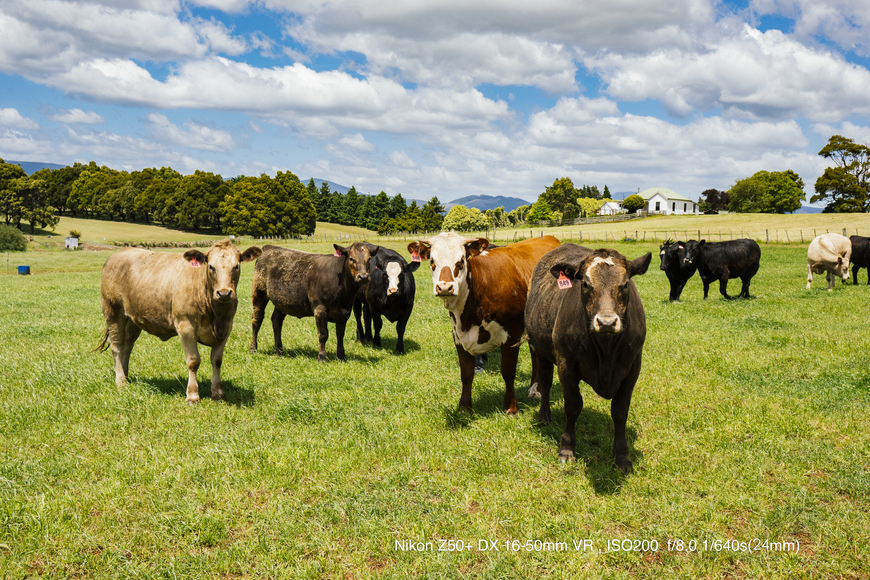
584, 315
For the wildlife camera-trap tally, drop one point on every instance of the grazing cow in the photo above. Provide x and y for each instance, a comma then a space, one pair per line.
860, 256
191, 295
485, 292
724, 260
585, 316
389, 292
302, 284
678, 271
829, 253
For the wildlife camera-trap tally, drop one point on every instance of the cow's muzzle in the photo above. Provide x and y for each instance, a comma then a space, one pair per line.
362, 278
392, 291
224, 295
444, 290
607, 323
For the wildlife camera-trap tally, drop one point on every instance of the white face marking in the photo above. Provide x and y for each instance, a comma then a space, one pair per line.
446, 250
394, 270
608, 261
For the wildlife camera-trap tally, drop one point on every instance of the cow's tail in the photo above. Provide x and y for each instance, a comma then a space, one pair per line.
523, 338
103, 346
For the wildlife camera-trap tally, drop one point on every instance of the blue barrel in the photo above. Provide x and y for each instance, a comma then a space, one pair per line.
23, 270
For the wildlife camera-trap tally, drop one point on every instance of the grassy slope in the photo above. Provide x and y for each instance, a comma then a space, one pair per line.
749, 422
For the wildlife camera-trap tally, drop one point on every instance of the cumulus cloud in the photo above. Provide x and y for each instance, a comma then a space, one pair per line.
77, 117
356, 142
843, 22
195, 136
13, 119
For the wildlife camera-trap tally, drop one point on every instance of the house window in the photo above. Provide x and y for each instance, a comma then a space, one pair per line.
685, 207
658, 206
674, 207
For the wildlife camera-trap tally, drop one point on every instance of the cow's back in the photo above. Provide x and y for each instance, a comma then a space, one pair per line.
145, 285
860, 251
825, 250
500, 276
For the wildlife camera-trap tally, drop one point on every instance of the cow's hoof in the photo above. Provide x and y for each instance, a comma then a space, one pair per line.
322, 358
566, 456
217, 396
544, 417
624, 465
534, 392
279, 351
192, 400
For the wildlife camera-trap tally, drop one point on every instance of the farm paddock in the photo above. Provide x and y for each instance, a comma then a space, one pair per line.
748, 431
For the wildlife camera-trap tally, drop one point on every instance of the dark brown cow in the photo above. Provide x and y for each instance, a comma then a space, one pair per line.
485, 291
302, 284
584, 315
191, 295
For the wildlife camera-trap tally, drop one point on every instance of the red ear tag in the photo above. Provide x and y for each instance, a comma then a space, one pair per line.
194, 263
337, 254
680, 246
415, 257
563, 281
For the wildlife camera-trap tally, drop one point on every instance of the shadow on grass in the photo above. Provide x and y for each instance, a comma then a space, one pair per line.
307, 352
232, 395
594, 447
389, 345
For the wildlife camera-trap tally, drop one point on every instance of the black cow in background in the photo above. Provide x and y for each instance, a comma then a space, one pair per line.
678, 271
860, 256
389, 293
724, 260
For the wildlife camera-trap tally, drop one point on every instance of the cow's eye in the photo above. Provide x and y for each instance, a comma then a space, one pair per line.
459, 264
432, 264
352, 261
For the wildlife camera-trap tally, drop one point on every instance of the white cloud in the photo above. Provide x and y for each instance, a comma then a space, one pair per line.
21, 147
843, 22
77, 116
13, 119
357, 142
195, 136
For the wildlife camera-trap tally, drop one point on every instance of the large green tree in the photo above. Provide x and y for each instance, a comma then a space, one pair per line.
10, 204
562, 197
432, 215
34, 210
464, 219
846, 186
541, 211
633, 203
262, 206
767, 192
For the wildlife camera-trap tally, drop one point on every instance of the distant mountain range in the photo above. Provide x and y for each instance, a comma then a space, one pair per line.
31, 167
485, 202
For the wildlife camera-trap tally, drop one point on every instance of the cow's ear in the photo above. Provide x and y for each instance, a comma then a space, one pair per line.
639, 266
420, 248
475, 247
339, 250
195, 255
251, 253
702, 242
373, 249
570, 270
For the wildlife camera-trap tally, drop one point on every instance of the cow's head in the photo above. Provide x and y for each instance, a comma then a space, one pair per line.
693, 251
357, 259
673, 255
843, 266
604, 277
222, 267
393, 271
448, 255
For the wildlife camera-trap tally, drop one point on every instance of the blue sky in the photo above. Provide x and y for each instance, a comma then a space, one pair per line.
438, 97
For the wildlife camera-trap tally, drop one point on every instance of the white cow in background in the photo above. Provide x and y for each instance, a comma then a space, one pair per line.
829, 253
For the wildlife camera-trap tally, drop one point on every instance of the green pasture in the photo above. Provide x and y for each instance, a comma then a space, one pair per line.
749, 434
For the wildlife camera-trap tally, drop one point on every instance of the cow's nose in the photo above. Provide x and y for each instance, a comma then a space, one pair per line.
391, 291
224, 295
444, 290
662, 267
362, 277
607, 323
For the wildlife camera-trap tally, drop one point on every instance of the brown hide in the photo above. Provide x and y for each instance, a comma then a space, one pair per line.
192, 296
301, 284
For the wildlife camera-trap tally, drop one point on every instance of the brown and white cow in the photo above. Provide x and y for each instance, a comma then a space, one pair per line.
192, 296
829, 253
585, 316
485, 292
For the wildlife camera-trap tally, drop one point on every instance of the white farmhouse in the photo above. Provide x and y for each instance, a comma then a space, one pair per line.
663, 200
611, 207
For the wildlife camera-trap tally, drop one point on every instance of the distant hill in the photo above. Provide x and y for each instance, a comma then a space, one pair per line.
485, 202
809, 209
31, 167
334, 187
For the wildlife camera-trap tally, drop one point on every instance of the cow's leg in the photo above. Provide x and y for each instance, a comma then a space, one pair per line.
400, 332
259, 300
322, 331
619, 412
378, 324
116, 324
809, 276
217, 359
723, 287
131, 333
466, 373
509, 356
831, 279
855, 269
744, 291
277, 327
187, 334
706, 288
339, 339
367, 317
545, 383
535, 386
357, 314
569, 376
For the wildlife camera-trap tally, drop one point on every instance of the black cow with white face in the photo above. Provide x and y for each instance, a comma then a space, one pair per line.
585, 316
389, 293
678, 271
723, 261
860, 256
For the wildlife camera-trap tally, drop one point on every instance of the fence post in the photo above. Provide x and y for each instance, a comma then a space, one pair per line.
767, 236
844, 233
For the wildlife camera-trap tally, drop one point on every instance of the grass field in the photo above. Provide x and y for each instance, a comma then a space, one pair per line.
748, 430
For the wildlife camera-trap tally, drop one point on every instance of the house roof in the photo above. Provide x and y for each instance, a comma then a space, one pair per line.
646, 194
